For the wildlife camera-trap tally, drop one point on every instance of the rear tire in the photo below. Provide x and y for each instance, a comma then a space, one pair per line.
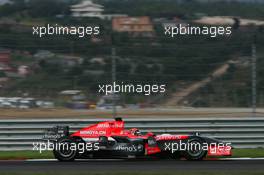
64, 151
195, 152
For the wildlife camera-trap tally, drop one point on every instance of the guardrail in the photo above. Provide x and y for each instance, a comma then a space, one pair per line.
241, 132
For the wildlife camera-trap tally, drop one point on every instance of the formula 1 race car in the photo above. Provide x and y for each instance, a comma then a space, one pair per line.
110, 140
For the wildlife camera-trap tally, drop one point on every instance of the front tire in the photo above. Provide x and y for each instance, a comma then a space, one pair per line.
195, 152
63, 150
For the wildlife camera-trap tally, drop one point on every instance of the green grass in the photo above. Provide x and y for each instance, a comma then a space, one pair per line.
25, 155
137, 173
253, 153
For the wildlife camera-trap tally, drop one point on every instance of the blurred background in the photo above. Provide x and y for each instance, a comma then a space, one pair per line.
55, 73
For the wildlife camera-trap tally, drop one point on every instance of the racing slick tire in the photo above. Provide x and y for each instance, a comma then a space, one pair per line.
63, 151
195, 152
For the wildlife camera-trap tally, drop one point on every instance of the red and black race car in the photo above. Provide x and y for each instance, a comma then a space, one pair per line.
110, 139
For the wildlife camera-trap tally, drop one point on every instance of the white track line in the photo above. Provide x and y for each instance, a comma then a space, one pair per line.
242, 158
82, 160
90, 160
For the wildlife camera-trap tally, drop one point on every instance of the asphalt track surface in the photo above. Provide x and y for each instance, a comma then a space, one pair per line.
132, 166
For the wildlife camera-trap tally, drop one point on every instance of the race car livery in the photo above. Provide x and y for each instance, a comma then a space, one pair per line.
110, 139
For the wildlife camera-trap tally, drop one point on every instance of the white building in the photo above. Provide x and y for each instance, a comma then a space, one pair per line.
87, 9
4, 2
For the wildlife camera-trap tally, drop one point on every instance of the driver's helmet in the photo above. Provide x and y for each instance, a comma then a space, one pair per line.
135, 131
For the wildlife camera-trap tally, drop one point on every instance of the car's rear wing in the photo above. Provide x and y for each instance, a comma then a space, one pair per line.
53, 134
